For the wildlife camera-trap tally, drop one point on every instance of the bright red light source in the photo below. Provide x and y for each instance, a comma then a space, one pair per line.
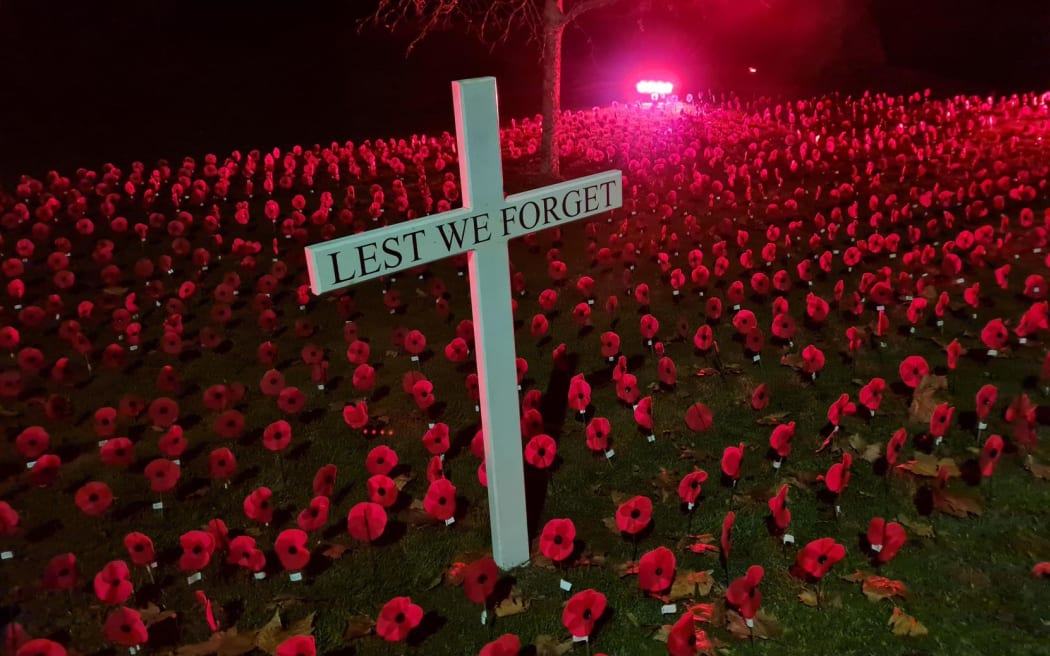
660, 87
752, 69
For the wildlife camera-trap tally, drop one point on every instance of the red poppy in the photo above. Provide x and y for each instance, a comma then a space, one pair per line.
173, 443
598, 430
61, 572
699, 417
415, 342
163, 412
315, 515
163, 475
812, 360
627, 389
124, 627
842, 407
704, 338
46, 470
113, 583
780, 439
634, 515
684, 639
272, 382
759, 397
986, 398
913, 369
837, 477
507, 644
726, 539
423, 394
32, 442
540, 451
579, 393
819, 556
94, 498
871, 394
300, 645
440, 500
197, 550
656, 570
105, 422
713, 308
783, 326
941, 419
990, 454
816, 308
643, 413
689, 488
257, 505
743, 592
324, 480
557, 540
277, 436
894, 446
436, 439
641, 294
292, 550
140, 549
291, 400
731, 459
778, 508
229, 424
397, 619
582, 611
479, 579
221, 464
244, 554
37, 647
885, 539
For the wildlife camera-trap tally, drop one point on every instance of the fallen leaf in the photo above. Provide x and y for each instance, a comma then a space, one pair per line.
793, 360
591, 559
903, 624
666, 485
857, 576
335, 551
223, 643
956, 504
877, 588
927, 465
455, 574
623, 570
281, 602
152, 614
358, 626
514, 604
915, 527
1038, 470
402, 480
689, 584
547, 645
707, 371
923, 400
662, 633
273, 633
416, 515
773, 419
610, 523
808, 597
702, 543
766, 626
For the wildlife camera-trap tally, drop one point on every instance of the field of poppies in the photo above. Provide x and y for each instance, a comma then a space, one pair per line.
786, 400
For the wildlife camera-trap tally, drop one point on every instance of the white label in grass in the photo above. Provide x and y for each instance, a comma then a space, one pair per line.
609, 454
459, 273
675, 292
974, 315
29, 465
612, 358
877, 548
912, 330
7, 555
649, 342
321, 387
838, 510
777, 463
937, 442
477, 408
153, 565
736, 308
581, 639
193, 578
295, 577
484, 617
669, 609
893, 256
880, 308
789, 539
959, 281
981, 425
757, 358
565, 585
750, 622
1037, 251
414, 358
259, 576
302, 307
940, 323
651, 439
158, 505
1022, 340
590, 301
171, 271
992, 353
450, 521
430, 425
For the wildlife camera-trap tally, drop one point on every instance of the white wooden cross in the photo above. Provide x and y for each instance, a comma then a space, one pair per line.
481, 228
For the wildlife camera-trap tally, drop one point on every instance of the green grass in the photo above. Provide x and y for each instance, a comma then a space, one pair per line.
971, 586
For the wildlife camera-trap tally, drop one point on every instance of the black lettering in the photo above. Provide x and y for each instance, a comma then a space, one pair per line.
590, 198
415, 244
392, 252
335, 269
509, 210
535, 212
481, 224
565, 206
608, 193
549, 203
369, 258
456, 236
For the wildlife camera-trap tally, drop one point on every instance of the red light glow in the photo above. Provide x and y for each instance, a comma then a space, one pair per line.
649, 87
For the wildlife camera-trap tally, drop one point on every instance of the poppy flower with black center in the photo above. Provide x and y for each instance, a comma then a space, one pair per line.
131, 406
277, 436
163, 411
457, 350
779, 510
941, 419
699, 418
124, 627
397, 619
46, 470
229, 424
479, 579
598, 434
61, 572
507, 644
9, 520
894, 446
423, 394
913, 369
780, 439
257, 505
643, 413
760, 397
656, 570
885, 539
244, 553
221, 464
744, 321
415, 342
436, 439
105, 422
539, 326
324, 480
140, 549
871, 394
816, 308
39, 647
272, 382
812, 359
582, 611
633, 515
168, 379
364, 377
837, 477
32, 442
173, 443
357, 352
197, 549
842, 407
735, 295
540, 451
994, 334
315, 516
579, 393
291, 400
627, 389
113, 583
990, 454
292, 550
382, 490
610, 344
743, 592
94, 498
754, 340
163, 475
440, 500
818, 557
731, 459
301, 645
366, 521
557, 540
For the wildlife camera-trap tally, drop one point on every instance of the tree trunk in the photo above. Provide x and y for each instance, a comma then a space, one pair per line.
554, 26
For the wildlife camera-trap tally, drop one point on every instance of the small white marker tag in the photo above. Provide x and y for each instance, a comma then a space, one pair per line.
777, 463
133, 347
430, 425
102, 443
459, 273
877, 548
974, 315
736, 308
669, 609
789, 539
7, 555
912, 330
757, 358
193, 578
565, 585
880, 308
940, 323
414, 358
838, 510
581, 639
959, 281
158, 505
302, 307
450, 521
1037, 251
938, 441
484, 617
674, 293
651, 439
590, 301
295, 577
477, 408
259, 576
893, 256
649, 342
321, 387
519, 388
612, 358
29, 465
1022, 340
750, 622
153, 565
992, 353
981, 425
609, 454
690, 505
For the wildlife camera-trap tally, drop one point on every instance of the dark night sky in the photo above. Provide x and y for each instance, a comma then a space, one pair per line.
85, 83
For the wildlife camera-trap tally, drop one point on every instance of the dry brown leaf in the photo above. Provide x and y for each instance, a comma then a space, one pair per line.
903, 624
924, 399
690, 584
773, 419
808, 597
662, 633
927, 465
858, 576
1038, 470
514, 604
877, 588
547, 645
915, 527
358, 626
591, 559
152, 614
402, 480
766, 626
956, 504
666, 485
273, 632
335, 551
793, 360
610, 523
417, 515
223, 643
619, 498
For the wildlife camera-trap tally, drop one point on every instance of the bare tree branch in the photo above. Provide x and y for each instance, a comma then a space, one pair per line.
584, 6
